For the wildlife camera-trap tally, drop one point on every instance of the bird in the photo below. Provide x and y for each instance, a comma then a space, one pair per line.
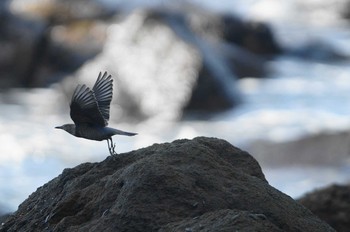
89, 110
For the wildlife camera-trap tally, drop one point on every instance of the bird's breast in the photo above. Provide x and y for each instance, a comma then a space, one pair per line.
92, 132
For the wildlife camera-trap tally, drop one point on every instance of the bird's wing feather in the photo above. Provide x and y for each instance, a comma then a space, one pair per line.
103, 90
84, 107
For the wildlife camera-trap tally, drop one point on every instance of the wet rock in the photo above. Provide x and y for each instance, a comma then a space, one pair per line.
18, 37
165, 187
166, 59
155, 78
45, 40
167, 62
331, 204
208, 96
256, 37
245, 45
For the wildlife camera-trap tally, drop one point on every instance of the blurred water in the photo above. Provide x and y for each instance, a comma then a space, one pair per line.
277, 108
301, 97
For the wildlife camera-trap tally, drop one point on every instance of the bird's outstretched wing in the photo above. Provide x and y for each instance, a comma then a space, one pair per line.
84, 107
103, 90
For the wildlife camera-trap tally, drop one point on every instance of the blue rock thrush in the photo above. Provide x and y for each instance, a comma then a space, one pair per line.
89, 109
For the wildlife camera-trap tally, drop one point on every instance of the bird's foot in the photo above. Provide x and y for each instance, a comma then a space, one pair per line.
112, 151
111, 148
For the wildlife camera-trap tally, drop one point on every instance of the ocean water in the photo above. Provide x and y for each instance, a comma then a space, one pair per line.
301, 97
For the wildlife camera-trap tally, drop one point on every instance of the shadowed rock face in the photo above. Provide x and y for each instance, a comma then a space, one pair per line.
204, 184
332, 204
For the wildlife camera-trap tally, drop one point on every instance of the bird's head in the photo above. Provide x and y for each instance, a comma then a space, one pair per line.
70, 128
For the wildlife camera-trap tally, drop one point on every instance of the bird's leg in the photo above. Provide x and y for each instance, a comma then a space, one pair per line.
108, 146
111, 147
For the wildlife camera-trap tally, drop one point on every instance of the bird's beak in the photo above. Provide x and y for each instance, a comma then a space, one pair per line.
58, 127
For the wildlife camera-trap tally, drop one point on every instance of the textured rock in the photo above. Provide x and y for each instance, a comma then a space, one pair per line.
331, 204
224, 220
204, 184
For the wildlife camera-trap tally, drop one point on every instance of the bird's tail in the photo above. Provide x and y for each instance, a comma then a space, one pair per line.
120, 132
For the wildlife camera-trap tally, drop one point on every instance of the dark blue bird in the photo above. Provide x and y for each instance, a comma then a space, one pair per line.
89, 109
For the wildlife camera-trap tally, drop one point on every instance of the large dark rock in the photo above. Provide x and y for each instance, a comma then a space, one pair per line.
256, 37
331, 204
204, 184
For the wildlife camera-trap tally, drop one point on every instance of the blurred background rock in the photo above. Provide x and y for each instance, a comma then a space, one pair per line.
270, 77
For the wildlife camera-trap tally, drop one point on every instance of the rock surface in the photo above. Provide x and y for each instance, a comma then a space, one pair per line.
204, 184
331, 204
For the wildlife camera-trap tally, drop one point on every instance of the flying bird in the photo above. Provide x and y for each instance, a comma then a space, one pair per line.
89, 110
